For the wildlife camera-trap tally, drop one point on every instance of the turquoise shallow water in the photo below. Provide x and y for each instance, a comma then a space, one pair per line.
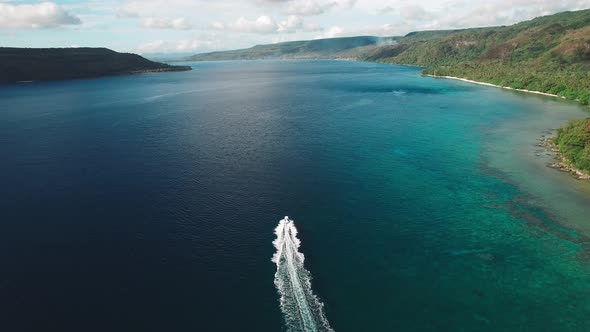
149, 202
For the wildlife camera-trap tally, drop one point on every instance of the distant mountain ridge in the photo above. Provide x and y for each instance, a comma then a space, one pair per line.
42, 64
331, 48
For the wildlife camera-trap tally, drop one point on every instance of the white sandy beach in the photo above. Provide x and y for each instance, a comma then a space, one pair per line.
495, 85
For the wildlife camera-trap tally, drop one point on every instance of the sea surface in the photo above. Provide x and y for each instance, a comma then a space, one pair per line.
152, 203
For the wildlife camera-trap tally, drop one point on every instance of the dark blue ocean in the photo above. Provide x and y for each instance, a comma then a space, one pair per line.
149, 203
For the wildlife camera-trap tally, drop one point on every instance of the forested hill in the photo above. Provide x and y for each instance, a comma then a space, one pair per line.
331, 48
41, 64
548, 54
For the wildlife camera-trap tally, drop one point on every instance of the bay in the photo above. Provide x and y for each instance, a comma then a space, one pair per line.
148, 202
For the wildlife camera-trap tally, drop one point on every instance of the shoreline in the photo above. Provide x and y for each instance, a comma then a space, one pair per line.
494, 85
561, 163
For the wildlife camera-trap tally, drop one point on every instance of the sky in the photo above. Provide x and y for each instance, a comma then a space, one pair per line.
195, 26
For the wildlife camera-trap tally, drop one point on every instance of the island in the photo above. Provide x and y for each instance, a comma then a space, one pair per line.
43, 64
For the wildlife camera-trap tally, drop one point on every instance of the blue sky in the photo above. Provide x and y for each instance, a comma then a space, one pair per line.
192, 26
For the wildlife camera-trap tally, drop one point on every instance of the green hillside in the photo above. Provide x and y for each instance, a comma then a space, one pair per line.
41, 64
573, 141
548, 54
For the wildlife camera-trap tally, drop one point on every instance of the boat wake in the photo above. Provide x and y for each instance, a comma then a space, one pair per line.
303, 310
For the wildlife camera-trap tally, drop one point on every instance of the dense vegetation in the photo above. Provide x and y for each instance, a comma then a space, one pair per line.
549, 54
573, 141
40, 64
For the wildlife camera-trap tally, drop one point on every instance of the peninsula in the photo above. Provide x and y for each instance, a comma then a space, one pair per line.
42, 64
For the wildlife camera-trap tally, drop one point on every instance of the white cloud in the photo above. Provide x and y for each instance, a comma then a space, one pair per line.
312, 27
157, 23
345, 3
316, 7
262, 21
263, 24
126, 12
307, 8
462, 14
41, 15
406, 16
177, 46
385, 10
266, 25
415, 12
218, 26
332, 32
291, 24
195, 10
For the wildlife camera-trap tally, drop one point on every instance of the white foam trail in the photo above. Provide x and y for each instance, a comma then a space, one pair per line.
303, 310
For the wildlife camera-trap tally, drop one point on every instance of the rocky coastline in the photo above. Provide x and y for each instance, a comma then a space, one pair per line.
560, 163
